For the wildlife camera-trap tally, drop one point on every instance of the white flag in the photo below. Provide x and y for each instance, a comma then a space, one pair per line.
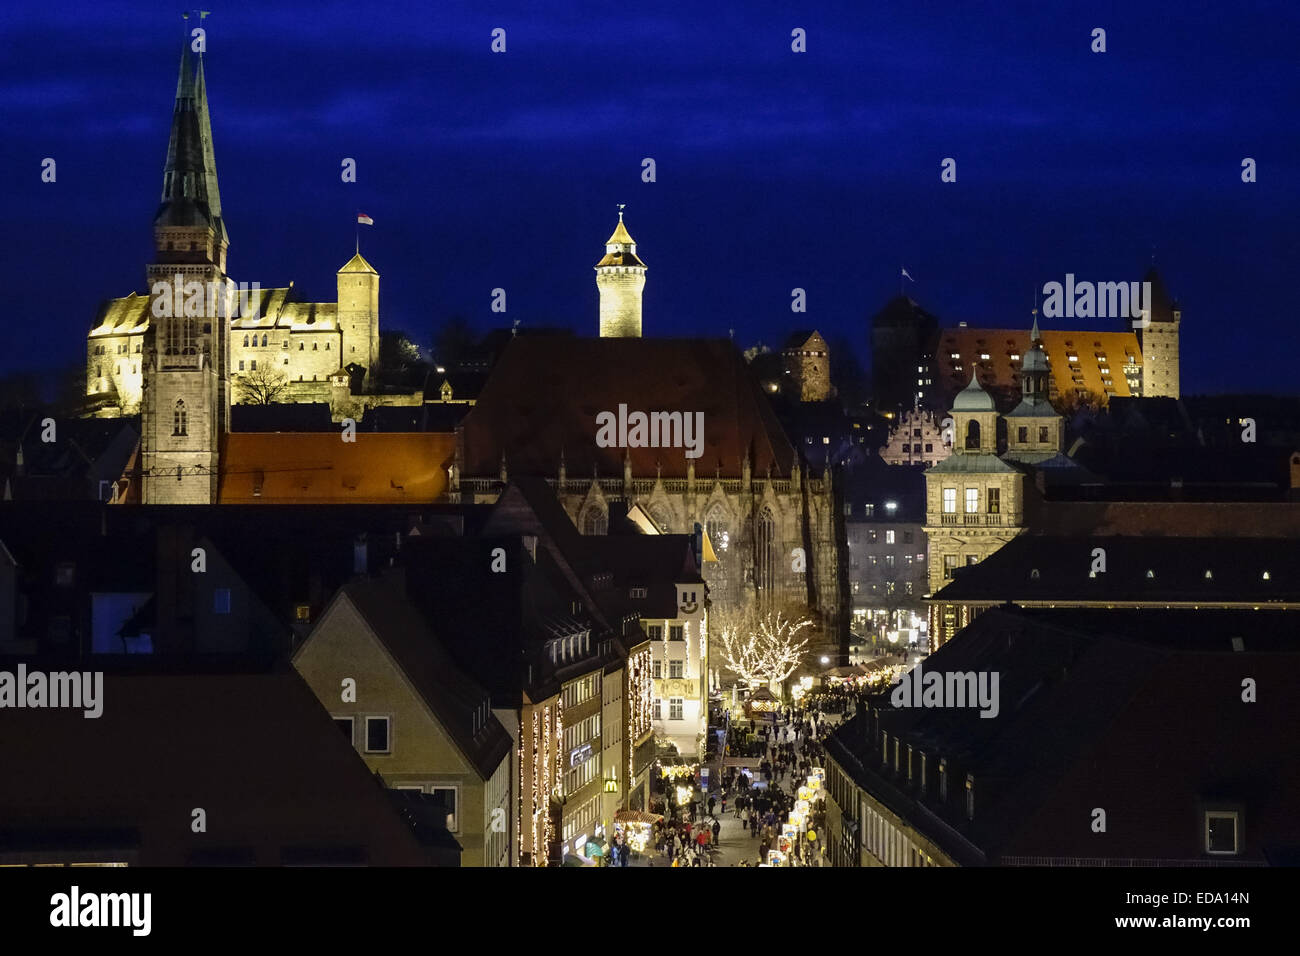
907, 277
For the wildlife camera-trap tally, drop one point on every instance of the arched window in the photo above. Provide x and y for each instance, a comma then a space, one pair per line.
245, 341
301, 346
662, 518
972, 434
716, 528
180, 419
595, 521
263, 341
765, 550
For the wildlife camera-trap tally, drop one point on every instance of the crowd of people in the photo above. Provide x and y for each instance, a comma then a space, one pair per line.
784, 745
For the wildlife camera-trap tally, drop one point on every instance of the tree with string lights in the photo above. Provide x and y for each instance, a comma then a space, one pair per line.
763, 648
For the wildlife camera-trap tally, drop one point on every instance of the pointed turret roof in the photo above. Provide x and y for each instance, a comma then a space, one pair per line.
358, 264
973, 398
189, 174
1162, 304
1035, 357
620, 248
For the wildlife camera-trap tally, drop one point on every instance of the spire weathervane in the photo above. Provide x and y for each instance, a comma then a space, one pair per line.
620, 211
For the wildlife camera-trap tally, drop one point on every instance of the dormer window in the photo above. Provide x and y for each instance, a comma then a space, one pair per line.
1267, 576
1209, 575
1151, 574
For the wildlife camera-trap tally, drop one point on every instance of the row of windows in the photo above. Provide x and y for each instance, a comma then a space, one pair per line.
891, 587
578, 822
378, 733
122, 349
952, 561
582, 774
674, 708
675, 669
581, 690
448, 796
676, 632
993, 499
587, 729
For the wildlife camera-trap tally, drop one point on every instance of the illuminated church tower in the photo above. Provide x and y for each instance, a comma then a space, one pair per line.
185, 401
620, 277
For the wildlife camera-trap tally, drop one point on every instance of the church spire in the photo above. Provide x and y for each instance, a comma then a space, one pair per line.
186, 177
209, 156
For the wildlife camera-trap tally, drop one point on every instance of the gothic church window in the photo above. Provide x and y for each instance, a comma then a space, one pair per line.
180, 419
263, 341
594, 521
765, 549
245, 341
301, 346
315, 346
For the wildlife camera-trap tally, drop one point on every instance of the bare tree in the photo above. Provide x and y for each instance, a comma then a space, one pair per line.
763, 647
263, 386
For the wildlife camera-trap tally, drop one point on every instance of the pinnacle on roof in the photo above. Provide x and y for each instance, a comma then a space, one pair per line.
358, 264
620, 248
189, 193
973, 398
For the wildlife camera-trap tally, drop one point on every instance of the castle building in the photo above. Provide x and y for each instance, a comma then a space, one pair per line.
1159, 342
917, 362
620, 278
271, 346
806, 364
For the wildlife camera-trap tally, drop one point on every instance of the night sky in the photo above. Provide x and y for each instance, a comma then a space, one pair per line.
775, 169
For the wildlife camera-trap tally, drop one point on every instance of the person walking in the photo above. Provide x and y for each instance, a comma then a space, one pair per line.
717, 829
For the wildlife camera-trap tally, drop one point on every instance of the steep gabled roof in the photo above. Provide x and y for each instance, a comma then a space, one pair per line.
534, 406
460, 704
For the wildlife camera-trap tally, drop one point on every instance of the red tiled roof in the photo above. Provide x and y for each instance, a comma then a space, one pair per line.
545, 392
1094, 351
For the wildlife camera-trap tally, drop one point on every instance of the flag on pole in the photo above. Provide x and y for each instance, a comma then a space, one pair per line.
906, 276
364, 220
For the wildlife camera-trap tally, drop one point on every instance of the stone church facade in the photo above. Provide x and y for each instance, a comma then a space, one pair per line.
770, 524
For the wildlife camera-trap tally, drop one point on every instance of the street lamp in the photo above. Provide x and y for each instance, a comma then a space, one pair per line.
825, 661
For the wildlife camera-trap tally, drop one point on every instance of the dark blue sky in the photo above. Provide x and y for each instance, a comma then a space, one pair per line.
775, 169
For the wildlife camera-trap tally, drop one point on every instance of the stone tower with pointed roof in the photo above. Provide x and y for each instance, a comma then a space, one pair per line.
359, 315
620, 278
271, 348
1159, 341
185, 355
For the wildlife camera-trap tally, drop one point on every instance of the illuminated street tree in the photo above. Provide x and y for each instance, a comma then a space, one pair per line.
763, 648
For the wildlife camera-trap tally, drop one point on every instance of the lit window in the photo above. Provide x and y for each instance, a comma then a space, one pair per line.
303, 612
674, 708
972, 500
675, 669
949, 501
984, 356
955, 355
